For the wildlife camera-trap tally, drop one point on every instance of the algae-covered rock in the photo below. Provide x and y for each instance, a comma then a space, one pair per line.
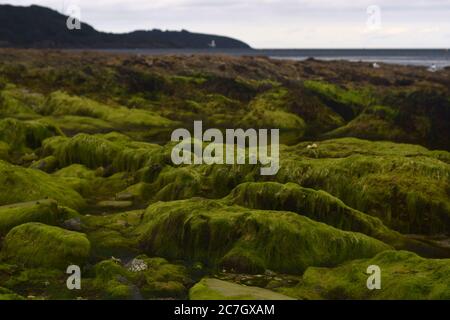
113, 150
403, 185
4, 151
75, 171
36, 283
6, 294
269, 110
25, 134
106, 243
346, 102
164, 279
247, 240
317, 205
114, 204
40, 245
48, 164
404, 275
321, 206
111, 235
215, 289
113, 281
91, 131
62, 104
84, 149
45, 211
159, 279
18, 184
19, 103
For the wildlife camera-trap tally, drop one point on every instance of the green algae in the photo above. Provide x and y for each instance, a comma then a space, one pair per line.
79, 124
269, 110
45, 211
18, 184
107, 243
111, 150
247, 240
6, 294
36, 283
4, 151
62, 104
404, 275
47, 164
160, 279
19, 103
318, 205
164, 279
39, 245
21, 135
349, 184
373, 179
112, 235
346, 102
321, 206
111, 280
382, 179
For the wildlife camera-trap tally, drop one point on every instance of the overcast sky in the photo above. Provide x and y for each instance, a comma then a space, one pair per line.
278, 23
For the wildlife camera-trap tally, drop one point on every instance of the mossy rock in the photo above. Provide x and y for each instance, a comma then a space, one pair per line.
111, 235
45, 211
18, 184
114, 204
317, 205
19, 103
113, 150
38, 283
4, 151
62, 104
372, 127
346, 102
91, 151
159, 279
404, 276
72, 125
6, 294
48, 164
39, 245
323, 207
164, 280
107, 243
403, 185
247, 240
269, 110
21, 135
215, 289
76, 171
112, 280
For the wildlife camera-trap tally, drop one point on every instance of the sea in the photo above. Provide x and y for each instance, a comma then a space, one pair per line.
440, 58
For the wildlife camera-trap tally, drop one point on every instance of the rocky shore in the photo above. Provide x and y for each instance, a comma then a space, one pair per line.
86, 178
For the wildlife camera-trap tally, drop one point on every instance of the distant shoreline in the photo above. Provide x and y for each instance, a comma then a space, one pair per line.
413, 57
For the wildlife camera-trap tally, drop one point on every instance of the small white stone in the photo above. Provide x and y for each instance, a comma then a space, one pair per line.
137, 265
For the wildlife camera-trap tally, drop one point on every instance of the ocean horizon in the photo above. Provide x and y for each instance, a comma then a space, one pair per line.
413, 57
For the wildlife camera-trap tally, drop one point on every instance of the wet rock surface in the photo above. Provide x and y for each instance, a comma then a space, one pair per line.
86, 178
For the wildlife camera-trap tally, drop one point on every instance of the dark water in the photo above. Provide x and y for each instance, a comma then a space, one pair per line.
417, 57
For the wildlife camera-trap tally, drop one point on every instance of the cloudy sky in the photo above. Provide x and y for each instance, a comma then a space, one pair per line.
279, 23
